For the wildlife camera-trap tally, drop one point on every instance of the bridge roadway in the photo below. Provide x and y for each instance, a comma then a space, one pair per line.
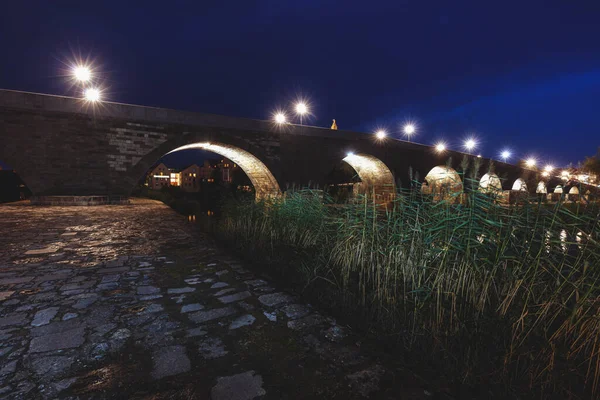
134, 302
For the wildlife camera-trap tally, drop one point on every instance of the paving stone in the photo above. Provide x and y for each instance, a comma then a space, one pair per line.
6, 295
209, 315
295, 311
152, 308
151, 297
11, 302
219, 285
63, 384
146, 290
244, 386
169, 361
69, 234
234, 297
193, 281
212, 348
181, 290
244, 320
53, 277
256, 282
306, 322
192, 307
110, 278
69, 316
57, 341
50, 367
16, 280
271, 316
13, 319
8, 368
224, 291
47, 250
43, 317
85, 303
55, 327
99, 351
196, 332
107, 286
222, 272
77, 286
275, 299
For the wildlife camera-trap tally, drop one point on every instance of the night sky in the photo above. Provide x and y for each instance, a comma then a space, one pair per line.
523, 74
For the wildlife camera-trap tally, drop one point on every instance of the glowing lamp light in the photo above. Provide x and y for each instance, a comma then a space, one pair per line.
409, 129
505, 155
301, 108
92, 95
349, 154
530, 162
478, 155
545, 174
470, 144
548, 168
280, 118
440, 147
380, 134
82, 73
565, 173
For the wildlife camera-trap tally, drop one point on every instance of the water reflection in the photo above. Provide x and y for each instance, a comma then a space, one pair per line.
191, 218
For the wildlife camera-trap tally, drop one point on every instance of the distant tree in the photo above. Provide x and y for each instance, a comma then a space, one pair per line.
591, 165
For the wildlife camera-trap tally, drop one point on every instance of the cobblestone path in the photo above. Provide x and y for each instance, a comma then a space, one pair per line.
132, 302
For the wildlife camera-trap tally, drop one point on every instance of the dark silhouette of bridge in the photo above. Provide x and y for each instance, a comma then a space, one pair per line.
63, 146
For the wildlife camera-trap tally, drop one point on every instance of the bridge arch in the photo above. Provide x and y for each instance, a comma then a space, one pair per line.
265, 184
375, 176
541, 188
490, 183
259, 163
520, 185
443, 182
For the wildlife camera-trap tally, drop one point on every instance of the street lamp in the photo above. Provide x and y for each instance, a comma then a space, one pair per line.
280, 118
380, 134
530, 162
470, 144
505, 155
440, 147
409, 129
548, 168
92, 95
301, 109
82, 73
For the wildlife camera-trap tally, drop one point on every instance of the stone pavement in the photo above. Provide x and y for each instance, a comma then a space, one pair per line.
133, 302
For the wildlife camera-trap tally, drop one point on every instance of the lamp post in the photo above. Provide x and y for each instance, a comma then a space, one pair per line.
470, 144
301, 109
505, 155
409, 129
380, 134
280, 118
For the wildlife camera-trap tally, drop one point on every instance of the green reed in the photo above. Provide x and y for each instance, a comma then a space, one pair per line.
486, 291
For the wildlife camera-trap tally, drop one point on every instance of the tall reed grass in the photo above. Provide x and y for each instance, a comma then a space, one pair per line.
486, 292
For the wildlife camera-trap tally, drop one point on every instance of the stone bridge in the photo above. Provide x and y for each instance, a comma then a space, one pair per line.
63, 146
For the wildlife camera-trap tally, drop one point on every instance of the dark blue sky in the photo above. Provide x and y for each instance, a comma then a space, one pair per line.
523, 74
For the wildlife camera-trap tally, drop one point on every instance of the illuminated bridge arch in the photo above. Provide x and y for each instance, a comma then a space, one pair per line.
265, 184
541, 188
490, 183
443, 182
520, 185
376, 178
